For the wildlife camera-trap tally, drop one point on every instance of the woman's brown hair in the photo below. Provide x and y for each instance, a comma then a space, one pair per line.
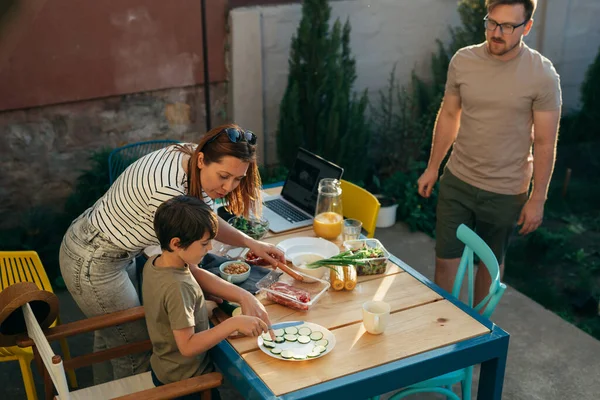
245, 198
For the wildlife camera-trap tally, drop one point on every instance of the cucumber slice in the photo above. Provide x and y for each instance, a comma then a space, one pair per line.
316, 336
320, 349
276, 350
287, 354
304, 331
313, 354
322, 342
290, 338
279, 339
299, 357
279, 332
303, 339
292, 330
269, 344
266, 337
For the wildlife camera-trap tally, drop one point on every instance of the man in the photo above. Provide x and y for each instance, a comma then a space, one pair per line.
501, 97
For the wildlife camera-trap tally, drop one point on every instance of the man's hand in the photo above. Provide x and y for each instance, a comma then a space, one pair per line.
532, 216
427, 181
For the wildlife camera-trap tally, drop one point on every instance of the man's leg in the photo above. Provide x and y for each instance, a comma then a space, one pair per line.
445, 272
455, 202
496, 220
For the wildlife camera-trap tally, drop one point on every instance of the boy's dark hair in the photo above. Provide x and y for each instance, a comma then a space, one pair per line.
528, 4
186, 218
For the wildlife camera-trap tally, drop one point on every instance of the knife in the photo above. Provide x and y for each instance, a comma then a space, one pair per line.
283, 325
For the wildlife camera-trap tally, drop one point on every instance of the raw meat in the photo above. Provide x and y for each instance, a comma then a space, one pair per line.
291, 297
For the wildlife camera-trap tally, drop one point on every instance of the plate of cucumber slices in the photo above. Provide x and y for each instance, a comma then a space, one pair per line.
298, 343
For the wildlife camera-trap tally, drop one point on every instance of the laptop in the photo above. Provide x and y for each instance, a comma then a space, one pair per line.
295, 206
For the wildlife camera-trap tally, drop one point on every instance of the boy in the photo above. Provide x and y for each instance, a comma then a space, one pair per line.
174, 302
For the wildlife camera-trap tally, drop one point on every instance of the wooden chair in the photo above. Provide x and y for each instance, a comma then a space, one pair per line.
26, 266
52, 367
360, 204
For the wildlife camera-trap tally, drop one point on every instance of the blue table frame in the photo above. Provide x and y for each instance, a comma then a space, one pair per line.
489, 350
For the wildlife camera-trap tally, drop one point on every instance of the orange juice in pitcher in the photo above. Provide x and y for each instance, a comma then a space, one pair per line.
328, 214
328, 225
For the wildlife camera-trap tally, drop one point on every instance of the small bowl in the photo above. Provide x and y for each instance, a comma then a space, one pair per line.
302, 258
234, 278
256, 228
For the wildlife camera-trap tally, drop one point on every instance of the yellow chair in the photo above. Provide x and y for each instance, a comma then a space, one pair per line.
26, 266
360, 204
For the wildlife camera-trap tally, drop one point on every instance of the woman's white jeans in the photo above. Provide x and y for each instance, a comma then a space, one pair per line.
99, 276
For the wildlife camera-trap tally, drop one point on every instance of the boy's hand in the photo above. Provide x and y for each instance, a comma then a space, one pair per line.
249, 326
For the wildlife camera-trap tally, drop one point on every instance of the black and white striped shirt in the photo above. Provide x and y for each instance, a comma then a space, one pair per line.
126, 211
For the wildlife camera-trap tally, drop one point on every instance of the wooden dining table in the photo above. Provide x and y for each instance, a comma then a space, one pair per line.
429, 333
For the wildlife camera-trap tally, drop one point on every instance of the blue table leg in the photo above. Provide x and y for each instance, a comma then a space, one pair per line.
491, 379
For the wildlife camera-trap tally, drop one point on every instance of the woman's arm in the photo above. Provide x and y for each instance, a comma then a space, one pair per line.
229, 235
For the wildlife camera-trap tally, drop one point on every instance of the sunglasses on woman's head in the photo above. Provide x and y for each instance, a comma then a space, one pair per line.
235, 135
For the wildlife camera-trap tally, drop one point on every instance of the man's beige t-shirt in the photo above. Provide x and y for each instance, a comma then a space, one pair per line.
173, 300
493, 147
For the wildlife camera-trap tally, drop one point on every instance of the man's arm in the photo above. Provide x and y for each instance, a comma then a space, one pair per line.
545, 125
545, 130
444, 134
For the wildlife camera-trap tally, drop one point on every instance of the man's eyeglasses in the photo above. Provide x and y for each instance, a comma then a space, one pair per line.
505, 28
235, 135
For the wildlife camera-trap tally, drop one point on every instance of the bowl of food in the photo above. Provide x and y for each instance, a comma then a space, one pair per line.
256, 228
301, 255
300, 262
235, 271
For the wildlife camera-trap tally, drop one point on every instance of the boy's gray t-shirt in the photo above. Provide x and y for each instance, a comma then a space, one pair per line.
173, 300
493, 147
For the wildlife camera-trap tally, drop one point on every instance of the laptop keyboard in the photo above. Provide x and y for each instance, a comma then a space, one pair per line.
285, 210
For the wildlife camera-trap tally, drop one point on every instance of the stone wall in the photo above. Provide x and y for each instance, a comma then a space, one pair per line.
43, 149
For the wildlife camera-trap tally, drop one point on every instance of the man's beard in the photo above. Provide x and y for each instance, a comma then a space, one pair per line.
503, 52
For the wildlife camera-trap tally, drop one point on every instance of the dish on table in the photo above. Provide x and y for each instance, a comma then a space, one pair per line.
298, 343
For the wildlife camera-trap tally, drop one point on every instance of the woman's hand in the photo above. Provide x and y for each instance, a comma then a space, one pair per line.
251, 306
268, 252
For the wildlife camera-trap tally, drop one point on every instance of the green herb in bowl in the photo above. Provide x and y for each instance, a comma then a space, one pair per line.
254, 227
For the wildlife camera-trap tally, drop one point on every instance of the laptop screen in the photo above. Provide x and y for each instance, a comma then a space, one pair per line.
301, 187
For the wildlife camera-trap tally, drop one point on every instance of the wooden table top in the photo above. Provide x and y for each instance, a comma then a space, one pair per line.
421, 320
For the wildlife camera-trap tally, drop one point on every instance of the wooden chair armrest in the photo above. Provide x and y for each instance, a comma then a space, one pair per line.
177, 389
87, 325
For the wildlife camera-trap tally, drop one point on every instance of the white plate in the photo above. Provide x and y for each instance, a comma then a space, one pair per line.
314, 245
299, 348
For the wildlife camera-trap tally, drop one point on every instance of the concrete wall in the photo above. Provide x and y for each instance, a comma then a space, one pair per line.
384, 33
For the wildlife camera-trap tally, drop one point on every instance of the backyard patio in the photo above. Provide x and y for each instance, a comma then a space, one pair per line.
155, 81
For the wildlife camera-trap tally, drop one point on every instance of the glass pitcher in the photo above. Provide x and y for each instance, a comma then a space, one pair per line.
328, 215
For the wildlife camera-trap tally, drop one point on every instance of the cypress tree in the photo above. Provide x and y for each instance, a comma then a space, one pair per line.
319, 110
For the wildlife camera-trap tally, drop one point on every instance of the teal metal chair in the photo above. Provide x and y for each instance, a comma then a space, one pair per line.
473, 245
121, 157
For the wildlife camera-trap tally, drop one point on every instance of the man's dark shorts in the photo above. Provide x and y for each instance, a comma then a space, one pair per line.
493, 216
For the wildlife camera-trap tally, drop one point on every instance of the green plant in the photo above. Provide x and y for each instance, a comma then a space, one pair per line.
585, 125
319, 110
417, 212
273, 174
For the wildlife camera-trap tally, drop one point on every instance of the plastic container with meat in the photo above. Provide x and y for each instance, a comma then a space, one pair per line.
285, 290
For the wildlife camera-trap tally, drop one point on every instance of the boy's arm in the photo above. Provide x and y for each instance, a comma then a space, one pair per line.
191, 344
212, 284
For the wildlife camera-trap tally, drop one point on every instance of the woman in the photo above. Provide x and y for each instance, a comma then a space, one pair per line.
99, 249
